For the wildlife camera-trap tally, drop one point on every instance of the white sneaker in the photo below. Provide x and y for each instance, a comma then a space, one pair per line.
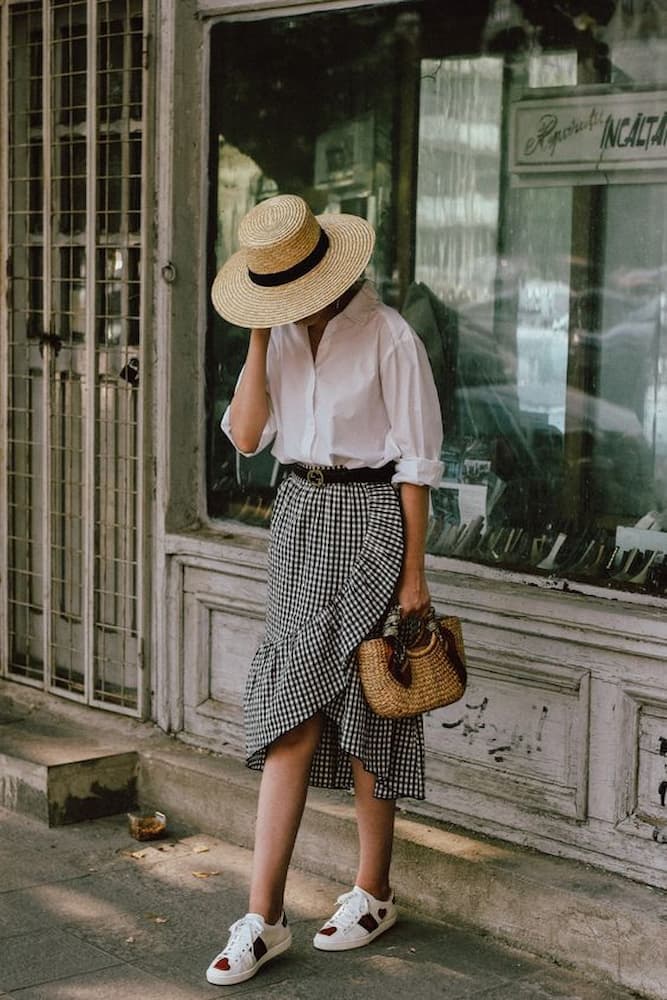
359, 919
252, 942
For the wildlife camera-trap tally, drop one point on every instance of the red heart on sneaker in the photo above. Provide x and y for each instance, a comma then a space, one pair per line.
223, 964
382, 912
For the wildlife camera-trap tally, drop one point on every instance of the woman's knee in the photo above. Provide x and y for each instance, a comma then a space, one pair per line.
302, 739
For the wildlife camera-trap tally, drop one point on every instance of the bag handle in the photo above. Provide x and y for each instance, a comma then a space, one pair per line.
395, 625
394, 633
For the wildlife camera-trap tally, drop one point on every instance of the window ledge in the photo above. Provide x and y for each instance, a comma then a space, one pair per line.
228, 540
480, 571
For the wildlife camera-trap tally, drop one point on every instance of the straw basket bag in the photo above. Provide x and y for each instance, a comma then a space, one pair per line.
400, 679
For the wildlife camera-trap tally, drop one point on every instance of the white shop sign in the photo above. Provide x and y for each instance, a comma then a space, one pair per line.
588, 138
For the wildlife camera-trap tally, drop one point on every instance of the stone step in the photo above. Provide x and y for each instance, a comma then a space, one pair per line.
61, 773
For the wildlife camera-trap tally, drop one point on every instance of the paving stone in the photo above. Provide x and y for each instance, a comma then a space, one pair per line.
37, 855
27, 868
554, 983
20, 913
81, 845
122, 981
30, 959
557, 986
433, 953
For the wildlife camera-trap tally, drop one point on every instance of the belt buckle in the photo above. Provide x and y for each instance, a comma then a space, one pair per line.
315, 477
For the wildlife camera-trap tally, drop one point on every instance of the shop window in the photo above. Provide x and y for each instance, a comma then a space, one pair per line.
513, 159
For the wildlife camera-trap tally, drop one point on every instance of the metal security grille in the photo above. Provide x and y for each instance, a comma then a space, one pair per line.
74, 185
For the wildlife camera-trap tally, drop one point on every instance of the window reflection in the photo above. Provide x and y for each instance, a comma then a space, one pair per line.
458, 178
541, 298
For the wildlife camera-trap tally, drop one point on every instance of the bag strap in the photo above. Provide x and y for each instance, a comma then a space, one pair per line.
452, 649
434, 625
392, 633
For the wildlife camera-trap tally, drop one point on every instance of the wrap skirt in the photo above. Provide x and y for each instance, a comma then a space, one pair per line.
335, 555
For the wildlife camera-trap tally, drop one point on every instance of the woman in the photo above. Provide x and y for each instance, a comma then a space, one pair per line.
343, 388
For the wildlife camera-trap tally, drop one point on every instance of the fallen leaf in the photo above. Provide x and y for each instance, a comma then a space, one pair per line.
161, 920
138, 854
200, 849
129, 940
205, 874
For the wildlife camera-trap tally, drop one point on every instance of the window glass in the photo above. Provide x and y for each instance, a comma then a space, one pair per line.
513, 159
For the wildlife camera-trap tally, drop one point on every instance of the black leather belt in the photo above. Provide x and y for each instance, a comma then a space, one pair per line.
319, 475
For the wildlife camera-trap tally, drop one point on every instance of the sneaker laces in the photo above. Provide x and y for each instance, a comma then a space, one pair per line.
353, 904
242, 935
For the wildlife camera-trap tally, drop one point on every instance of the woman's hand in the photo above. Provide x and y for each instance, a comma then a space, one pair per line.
412, 593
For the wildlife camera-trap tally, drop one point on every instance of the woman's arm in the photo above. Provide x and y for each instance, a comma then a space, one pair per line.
412, 593
416, 430
249, 409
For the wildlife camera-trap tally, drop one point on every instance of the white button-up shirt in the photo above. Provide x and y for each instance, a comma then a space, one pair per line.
368, 398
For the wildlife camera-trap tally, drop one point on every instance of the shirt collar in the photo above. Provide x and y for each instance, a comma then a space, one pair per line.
359, 307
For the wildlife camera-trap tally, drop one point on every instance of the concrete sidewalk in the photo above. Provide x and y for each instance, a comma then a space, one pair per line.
88, 913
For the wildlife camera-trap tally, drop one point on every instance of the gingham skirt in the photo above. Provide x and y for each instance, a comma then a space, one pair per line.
334, 558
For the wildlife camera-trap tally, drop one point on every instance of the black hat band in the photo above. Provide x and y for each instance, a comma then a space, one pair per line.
275, 278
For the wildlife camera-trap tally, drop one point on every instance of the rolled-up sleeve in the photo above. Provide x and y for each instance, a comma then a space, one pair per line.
268, 433
413, 408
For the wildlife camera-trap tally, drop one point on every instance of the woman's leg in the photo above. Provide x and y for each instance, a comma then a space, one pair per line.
282, 796
375, 822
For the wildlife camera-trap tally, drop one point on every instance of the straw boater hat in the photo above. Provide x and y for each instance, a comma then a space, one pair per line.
291, 263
